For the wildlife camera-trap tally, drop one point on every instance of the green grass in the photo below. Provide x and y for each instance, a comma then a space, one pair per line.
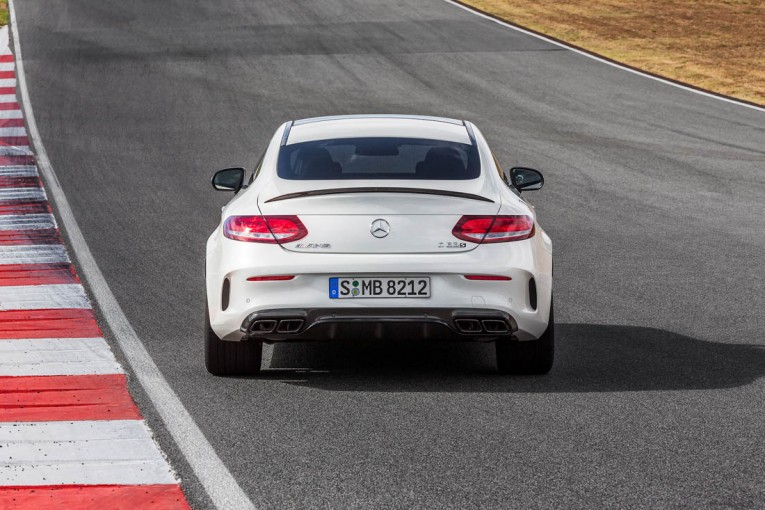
3, 13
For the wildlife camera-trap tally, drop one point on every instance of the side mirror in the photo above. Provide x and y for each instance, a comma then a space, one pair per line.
228, 179
524, 179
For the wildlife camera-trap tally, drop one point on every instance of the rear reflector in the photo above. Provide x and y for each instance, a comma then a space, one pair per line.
494, 229
276, 278
264, 229
487, 277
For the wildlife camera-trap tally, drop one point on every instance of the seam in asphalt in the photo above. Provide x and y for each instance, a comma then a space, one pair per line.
605, 60
220, 485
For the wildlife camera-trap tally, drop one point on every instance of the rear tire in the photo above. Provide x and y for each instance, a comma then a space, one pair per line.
533, 357
230, 358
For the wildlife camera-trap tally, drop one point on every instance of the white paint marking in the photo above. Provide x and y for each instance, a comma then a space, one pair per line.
12, 131
39, 297
604, 61
81, 453
10, 114
56, 356
34, 254
220, 485
18, 171
26, 221
12, 194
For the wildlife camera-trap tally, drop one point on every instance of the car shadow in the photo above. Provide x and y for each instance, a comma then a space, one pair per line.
589, 358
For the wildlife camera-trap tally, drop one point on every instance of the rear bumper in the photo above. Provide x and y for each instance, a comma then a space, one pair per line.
334, 323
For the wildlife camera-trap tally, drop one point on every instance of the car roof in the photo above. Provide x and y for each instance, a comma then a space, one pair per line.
377, 126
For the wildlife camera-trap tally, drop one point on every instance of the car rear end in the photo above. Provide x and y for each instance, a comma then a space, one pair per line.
350, 235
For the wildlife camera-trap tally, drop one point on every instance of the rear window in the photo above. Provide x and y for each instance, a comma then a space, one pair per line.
379, 158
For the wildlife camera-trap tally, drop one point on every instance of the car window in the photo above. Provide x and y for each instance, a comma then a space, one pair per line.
379, 158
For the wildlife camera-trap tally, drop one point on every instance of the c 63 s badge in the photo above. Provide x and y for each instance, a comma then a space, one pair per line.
452, 244
313, 246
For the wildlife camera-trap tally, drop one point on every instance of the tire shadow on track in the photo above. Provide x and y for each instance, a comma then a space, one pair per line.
589, 358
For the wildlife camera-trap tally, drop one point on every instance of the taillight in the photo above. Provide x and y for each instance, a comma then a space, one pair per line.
487, 277
274, 278
494, 229
264, 229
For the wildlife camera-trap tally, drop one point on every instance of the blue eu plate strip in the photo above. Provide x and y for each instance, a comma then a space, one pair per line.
333, 288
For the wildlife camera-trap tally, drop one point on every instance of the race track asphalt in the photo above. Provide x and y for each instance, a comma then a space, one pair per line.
654, 198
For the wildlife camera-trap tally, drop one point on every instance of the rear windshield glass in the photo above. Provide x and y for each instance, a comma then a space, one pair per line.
379, 158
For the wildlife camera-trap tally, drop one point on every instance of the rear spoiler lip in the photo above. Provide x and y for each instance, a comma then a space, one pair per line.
378, 189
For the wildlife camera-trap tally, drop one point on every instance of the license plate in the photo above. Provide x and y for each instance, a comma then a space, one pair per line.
369, 287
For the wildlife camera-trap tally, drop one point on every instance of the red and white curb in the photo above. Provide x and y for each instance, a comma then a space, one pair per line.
71, 436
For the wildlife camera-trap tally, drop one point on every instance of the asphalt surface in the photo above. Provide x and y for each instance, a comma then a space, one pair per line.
654, 198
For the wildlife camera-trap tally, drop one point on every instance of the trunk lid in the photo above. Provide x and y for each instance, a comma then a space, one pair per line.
379, 220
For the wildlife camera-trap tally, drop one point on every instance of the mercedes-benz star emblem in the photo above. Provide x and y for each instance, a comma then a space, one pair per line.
380, 228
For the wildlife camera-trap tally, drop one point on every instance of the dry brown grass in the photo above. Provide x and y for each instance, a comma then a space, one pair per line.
717, 45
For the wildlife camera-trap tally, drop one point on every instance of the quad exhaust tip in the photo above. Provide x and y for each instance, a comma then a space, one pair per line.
266, 326
289, 326
472, 326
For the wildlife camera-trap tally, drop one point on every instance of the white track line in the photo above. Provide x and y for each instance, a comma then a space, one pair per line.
604, 61
81, 453
56, 356
220, 485
43, 297
26, 221
34, 254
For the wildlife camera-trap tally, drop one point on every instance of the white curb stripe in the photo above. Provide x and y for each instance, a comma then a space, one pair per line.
33, 254
7, 98
10, 114
26, 221
14, 150
18, 171
56, 356
82, 453
8, 82
9, 194
12, 131
7, 66
37, 297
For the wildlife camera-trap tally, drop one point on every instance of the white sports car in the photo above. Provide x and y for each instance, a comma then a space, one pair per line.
370, 226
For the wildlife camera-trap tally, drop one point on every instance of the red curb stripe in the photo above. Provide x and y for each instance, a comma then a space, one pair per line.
6, 58
11, 122
7, 74
7, 90
37, 274
9, 106
24, 207
20, 182
17, 160
94, 497
13, 141
66, 398
30, 237
59, 323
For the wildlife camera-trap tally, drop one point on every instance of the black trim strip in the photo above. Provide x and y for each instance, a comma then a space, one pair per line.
416, 191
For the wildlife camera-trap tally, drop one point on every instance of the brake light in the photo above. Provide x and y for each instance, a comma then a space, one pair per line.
487, 277
274, 278
494, 229
264, 229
